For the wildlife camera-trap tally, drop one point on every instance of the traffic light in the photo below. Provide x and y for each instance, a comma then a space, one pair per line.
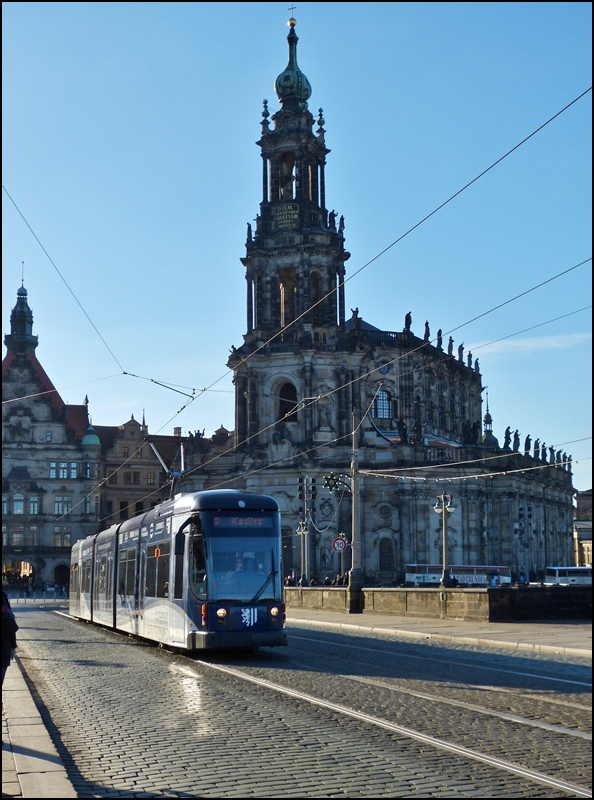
301, 494
313, 489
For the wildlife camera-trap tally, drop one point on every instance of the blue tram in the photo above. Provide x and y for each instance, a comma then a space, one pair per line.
199, 571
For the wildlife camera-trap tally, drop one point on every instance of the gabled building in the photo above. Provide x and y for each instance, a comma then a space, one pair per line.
308, 374
133, 478
50, 463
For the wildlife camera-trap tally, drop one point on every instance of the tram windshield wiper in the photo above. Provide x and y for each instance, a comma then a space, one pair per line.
271, 575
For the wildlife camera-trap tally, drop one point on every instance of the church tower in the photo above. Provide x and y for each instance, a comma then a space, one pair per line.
306, 376
294, 269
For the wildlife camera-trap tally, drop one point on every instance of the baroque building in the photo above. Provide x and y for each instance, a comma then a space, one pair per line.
307, 374
50, 463
62, 478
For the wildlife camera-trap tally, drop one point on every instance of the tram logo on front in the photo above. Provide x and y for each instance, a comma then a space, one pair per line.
249, 616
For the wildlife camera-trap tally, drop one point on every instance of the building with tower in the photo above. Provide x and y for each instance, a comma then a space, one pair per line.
308, 374
50, 464
62, 478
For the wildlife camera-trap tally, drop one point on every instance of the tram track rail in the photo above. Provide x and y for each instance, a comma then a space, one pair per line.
442, 744
496, 690
513, 754
555, 739
453, 662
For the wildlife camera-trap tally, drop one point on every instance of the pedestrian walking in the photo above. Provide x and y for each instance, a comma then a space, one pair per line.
9, 629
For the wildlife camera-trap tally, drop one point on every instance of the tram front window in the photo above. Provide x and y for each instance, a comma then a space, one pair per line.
242, 565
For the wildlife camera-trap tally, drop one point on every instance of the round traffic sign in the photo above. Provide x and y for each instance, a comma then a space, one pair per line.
339, 545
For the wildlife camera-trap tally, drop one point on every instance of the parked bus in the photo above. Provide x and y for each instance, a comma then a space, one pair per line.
568, 576
430, 575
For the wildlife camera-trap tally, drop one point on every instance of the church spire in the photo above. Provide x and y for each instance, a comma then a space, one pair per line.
20, 340
292, 87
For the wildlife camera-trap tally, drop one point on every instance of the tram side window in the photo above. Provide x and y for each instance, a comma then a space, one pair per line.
74, 575
157, 569
85, 581
101, 575
126, 571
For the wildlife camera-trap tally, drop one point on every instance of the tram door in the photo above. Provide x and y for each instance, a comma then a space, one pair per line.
176, 586
141, 587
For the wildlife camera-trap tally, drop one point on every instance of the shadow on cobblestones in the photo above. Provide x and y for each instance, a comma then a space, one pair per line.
372, 657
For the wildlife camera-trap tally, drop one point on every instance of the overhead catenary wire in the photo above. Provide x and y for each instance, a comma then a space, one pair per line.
405, 234
364, 266
398, 358
410, 230
52, 262
336, 440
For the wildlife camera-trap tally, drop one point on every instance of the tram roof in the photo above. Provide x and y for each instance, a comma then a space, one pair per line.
216, 500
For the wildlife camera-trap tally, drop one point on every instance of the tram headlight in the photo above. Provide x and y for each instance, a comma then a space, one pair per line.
274, 614
221, 615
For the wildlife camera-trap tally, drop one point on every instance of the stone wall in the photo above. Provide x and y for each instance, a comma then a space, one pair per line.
480, 605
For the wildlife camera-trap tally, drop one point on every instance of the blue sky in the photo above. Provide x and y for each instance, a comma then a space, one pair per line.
129, 135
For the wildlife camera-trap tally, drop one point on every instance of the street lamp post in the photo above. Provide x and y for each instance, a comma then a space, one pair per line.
356, 577
301, 528
331, 482
445, 509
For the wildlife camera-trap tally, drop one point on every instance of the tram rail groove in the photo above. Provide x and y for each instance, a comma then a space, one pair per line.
451, 747
441, 660
494, 761
469, 706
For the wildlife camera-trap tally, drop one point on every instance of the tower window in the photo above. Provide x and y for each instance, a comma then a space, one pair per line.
316, 296
287, 405
287, 177
287, 296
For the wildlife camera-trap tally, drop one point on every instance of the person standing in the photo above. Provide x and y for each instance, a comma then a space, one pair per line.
9, 629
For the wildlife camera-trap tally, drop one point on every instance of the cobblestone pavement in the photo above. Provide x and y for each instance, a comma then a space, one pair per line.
130, 720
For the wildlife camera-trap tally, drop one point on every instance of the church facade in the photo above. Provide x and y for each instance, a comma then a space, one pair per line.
313, 384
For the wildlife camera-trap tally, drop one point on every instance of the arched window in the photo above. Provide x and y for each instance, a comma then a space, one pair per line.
386, 556
287, 404
383, 406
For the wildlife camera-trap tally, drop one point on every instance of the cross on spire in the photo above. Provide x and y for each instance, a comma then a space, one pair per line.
292, 9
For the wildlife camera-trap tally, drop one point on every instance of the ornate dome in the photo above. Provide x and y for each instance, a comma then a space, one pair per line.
291, 86
90, 437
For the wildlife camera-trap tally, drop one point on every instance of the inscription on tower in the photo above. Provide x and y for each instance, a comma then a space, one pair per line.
286, 216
